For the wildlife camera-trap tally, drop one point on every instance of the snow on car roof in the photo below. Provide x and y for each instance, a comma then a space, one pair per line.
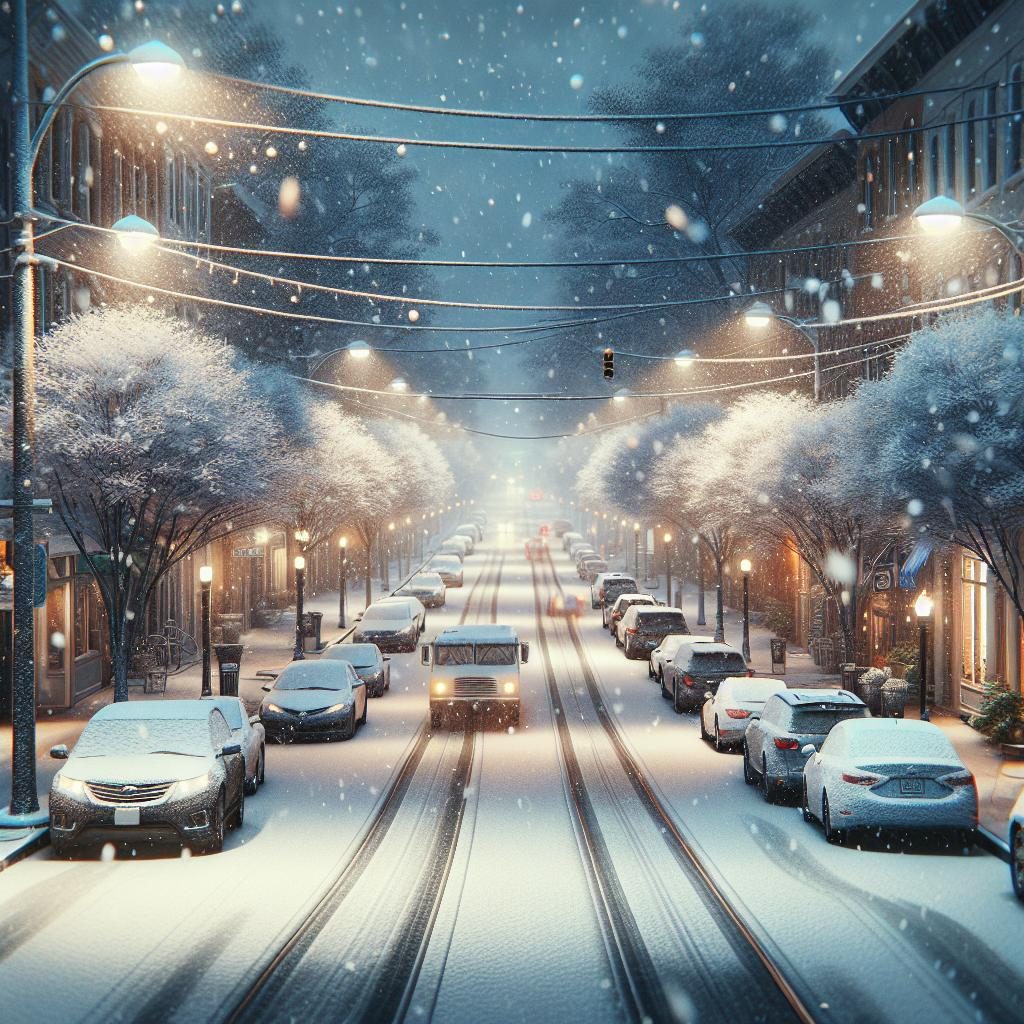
170, 710
797, 697
895, 737
658, 609
486, 633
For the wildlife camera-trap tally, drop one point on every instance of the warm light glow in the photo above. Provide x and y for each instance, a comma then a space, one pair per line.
156, 62
399, 384
206, 574
668, 538
939, 215
343, 542
391, 526
636, 527
621, 395
135, 234
262, 536
684, 358
924, 605
359, 350
745, 565
300, 563
760, 314
302, 536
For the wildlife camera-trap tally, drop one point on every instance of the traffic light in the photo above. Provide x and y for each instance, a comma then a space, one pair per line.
608, 361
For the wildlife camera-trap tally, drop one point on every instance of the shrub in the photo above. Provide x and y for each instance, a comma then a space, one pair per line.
778, 618
1002, 714
906, 653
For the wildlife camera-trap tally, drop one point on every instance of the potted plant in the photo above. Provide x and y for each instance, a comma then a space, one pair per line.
869, 687
902, 662
1002, 717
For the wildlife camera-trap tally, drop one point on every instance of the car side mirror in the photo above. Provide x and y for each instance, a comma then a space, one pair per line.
424, 654
808, 749
524, 652
59, 752
668, 661
265, 688
358, 682
230, 748
386, 659
708, 696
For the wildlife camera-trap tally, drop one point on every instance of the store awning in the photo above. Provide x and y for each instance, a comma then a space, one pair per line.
914, 562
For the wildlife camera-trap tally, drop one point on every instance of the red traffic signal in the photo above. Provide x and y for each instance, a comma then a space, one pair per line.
608, 362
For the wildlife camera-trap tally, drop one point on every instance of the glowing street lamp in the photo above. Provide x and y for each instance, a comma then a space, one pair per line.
399, 384
156, 62
358, 350
300, 586
760, 315
942, 215
923, 606
668, 568
342, 578
205, 583
135, 234
684, 358
745, 567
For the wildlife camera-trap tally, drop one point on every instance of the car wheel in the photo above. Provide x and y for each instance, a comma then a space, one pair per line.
250, 785
675, 697
704, 735
436, 719
748, 773
1017, 861
217, 826
832, 835
618, 642
806, 805
261, 771
650, 669
366, 707
767, 789
661, 683
387, 679
719, 745
239, 818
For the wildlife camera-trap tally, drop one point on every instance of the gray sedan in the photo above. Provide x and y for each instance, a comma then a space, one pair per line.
370, 665
314, 700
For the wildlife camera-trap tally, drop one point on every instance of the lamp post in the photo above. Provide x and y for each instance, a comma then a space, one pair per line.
205, 581
158, 60
923, 606
668, 567
342, 579
702, 618
636, 550
761, 315
300, 586
941, 214
745, 568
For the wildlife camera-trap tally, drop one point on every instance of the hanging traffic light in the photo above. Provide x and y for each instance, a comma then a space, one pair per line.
608, 361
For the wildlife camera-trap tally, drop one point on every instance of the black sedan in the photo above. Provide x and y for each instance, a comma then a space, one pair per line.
314, 700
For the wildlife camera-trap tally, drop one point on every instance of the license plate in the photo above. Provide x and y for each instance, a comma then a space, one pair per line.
912, 787
126, 815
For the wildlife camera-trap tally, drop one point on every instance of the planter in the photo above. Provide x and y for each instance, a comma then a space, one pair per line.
897, 669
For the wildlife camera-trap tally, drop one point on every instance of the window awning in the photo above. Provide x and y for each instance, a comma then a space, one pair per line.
914, 562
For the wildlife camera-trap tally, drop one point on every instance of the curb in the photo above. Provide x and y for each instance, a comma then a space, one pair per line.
991, 843
25, 848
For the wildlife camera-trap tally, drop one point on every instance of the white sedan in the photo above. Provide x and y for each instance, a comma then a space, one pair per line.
1016, 838
725, 714
888, 773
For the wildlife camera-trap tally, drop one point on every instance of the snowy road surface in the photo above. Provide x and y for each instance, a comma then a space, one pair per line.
600, 863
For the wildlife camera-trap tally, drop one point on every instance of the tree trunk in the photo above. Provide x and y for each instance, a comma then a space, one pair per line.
719, 607
120, 654
701, 617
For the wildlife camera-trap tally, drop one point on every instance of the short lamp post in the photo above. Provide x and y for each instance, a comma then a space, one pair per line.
745, 567
923, 606
636, 550
342, 579
205, 583
300, 586
668, 568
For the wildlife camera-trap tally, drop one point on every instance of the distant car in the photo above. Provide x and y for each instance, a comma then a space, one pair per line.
790, 721
607, 586
561, 526
414, 604
665, 652
314, 699
888, 773
149, 773
580, 547
427, 587
643, 628
565, 606
725, 714
590, 568
1016, 840
535, 548
473, 530
247, 731
392, 626
369, 664
569, 538
697, 669
456, 547
469, 539
448, 567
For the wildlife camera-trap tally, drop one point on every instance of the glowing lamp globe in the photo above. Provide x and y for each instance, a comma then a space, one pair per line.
760, 314
135, 234
156, 62
939, 215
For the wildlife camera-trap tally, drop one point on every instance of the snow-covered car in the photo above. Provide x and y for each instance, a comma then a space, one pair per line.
149, 773
314, 699
1015, 837
725, 714
665, 652
565, 606
535, 549
581, 548
473, 530
369, 664
697, 669
448, 567
454, 547
427, 587
611, 614
246, 730
888, 773
560, 527
569, 538
790, 720
607, 586
643, 628
469, 539
590, 568
416, 607
391, 625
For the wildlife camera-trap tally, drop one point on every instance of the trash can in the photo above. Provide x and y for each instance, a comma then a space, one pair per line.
893, 698
229, 661
850, 674
870, 693
311, 631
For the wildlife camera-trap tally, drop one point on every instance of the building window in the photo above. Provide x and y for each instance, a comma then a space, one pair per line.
88, 618
1014, 127
116, 186
974, 582
153, 197
60, 161
949, 157
892, 176
869, 192
991, 168
933, 165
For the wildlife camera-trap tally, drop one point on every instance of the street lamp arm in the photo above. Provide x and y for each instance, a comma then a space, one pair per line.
1015, 236
800, 325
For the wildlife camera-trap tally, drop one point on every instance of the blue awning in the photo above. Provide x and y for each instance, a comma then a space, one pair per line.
915, 562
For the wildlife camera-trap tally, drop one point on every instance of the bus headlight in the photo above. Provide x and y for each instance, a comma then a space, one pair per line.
509, 688
440, 688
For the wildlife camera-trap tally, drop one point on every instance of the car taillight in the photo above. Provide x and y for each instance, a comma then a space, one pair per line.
688, 680
958, 779
750, 672
785, 743
600, 594
861, 778
737, 712
631, 630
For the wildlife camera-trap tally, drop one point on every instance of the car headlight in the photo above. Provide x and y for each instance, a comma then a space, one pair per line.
509, 688
70, 787
335, 708
440, 688
187, 787
273, 708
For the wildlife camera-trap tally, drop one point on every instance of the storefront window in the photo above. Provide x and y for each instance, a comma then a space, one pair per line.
974, 579
88, 619
56, 640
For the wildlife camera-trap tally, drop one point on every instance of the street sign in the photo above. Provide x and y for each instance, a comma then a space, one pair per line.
247, 552
39, 577
778, 645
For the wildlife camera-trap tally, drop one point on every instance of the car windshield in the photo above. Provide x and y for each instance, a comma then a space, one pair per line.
622, 586
718, 661
424, 582
324, 675
387, 612
818, 721
119, 737
658, 622
751, 690
897, 743
495, 654
453, 654
671, 643
233, 713
357, 655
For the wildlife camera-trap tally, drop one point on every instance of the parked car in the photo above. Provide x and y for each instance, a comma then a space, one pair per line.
369, 664
149, 772
427, 587
454, 546
561, 526
665, 652
535, 548
790, 721
448, 567
415, 606
469, 539
391, 625
888, 773
248, 732
607, 586
590, 568
314, 699
610, 614
1016, 840
565, 605
643, 628
697, 669
569, 538
580, 547
725, 714
472, 530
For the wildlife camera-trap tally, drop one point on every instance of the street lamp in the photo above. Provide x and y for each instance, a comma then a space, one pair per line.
205, 581
24, 152
342, 579
684, 358
358, 350
668, 568
621, 395
636, 550
135, 234
923, 606
761, 315
745, 567
399, 384
156, 62
300, 586
941, 215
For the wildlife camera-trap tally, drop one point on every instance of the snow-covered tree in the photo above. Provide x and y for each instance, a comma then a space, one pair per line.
940, 440
152, 439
